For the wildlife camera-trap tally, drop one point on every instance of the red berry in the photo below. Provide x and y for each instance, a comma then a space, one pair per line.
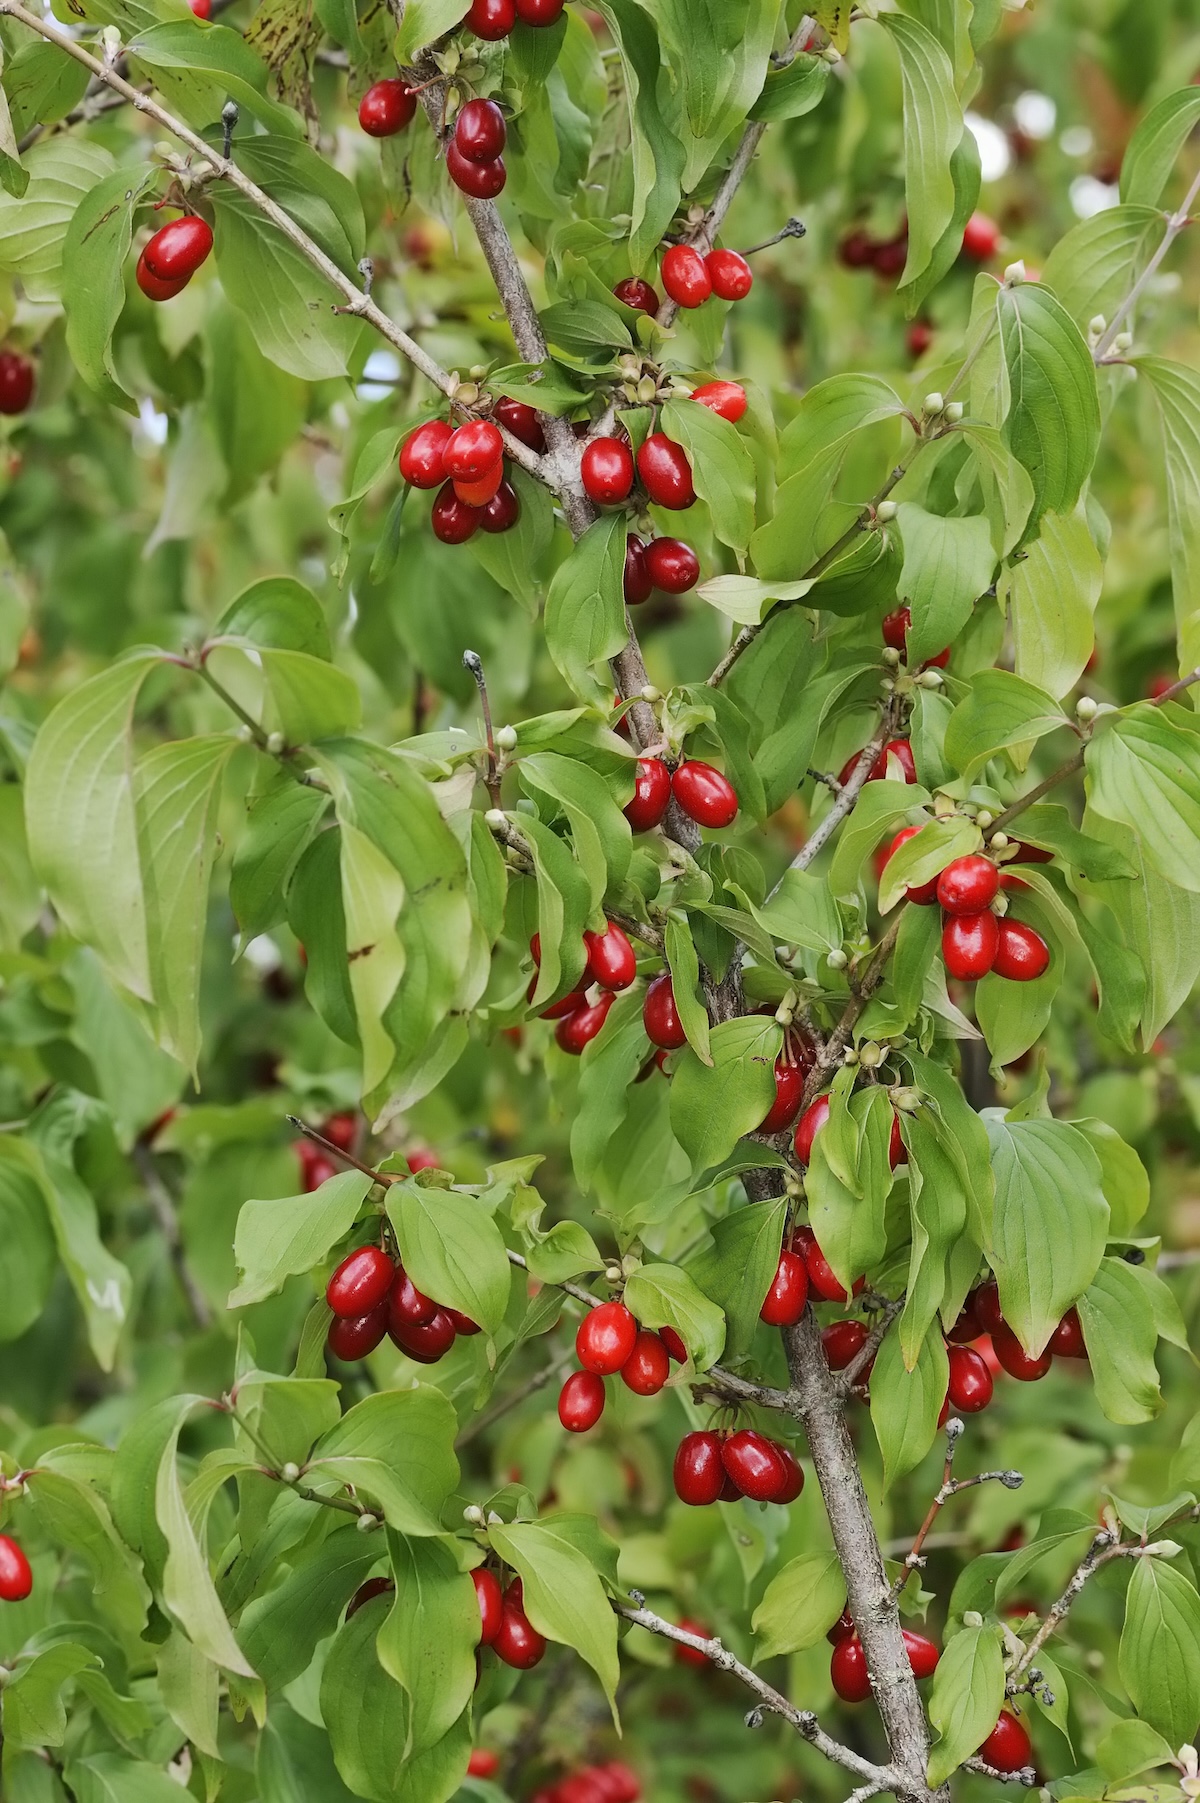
636, 583
793, 1480
517, 1641
426, 1343
968, 885
360, 1283
970, 1386
16, 382
152, 287
353, 1338
895, 628
751, 1460
539, 12
857, 250
784, 1302
986, 1303
690, 1655
809, 1125
579, 1029
968, 1327
387, 108
660, 1017
1032, 854
201, 8
789, 1092
919, 337
422, 1159
570, 1004
478, 494
923, 894
340, 1130
491, 19
726, 398
606, 470
820, 1271
671, 1339
848, 1671
619, 1784
491, 1599
473, 450
605, 1338
651, 795
422, 455
503, 510
731, 276
1021, 954
890, 258
176, 251
922, 1654
685, 276
704, 794
981, 238
1067, 1342
463, 1324
634, 292
408, 1306
483, 1763
479, 131
842, 1628
665, 472
699, 1473
581, 1401
318, 1170
902, 751
611, 962
648, 1366
523, 421
366, 1593
482, 181
672, 565
843, 1341
453, 521
969, 944
897, 1150
1014, 1358
1008, 1747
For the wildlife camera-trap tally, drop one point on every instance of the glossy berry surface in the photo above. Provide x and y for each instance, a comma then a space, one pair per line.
821, 1279
606, 470
387, 108
366, 1593
539, 12
731, 276
685, 276
201, 8
471, 451
636, 584
672, 565
981, 238
897, 1150
725, 398
490, 1598
970, 1385
1067, 1341
360, 1283
698, 1472
706, 796
843, 1341
611, 962
665, 472
848, 1670
578, 1030
894, 630
16, 382
482, 181
922, 1654
671, 1340
660, 1017
479, 131
985, 1302
503, 510
605, 1338
491, 20
478, 493
354, 1337
427, 1342
1008, 1747
752, 1462
1021, 953
153, 287
809, 1125
793, 1474
969, 944
1014, 1358
176, 250
651, 795
581, 1401
789, 1093
517, 1641
636, 293
453, 521
423, 455
408, 1304
785, 1301
523, 421
968, 885
648, 1366
923, 894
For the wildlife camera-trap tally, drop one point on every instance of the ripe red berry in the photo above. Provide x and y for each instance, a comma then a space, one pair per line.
479, 131
699, 1473
895, 628
176, 250
848, 1670
634, 292
690, 1655
857, 250
660, 1017
353, 1338
789, 1093
539, 12
490, 1599
968, 885
889, 259
969, 944
605, 1338
731, 276
153, 287
491, 20
897, 1150
483, 1763
422, 455
986, 1303
704, 794
473, 450
923, 894
478, 494
793, 1479
523, 421
1021, 954
317, 1170
919, 337
611, 962
842, 1628
809, 1125
1032, 854
360, 1283
1014, 1358
560, 1010
1067, 1342
636, 583
672, 565
408, 1305
785, 1301
685, 276
726, 398
422, 1159
922, 1654
1008, 1747
576, 1030
651, 794
482, 181
970, 1385
665, 472
581, 1401
387, 108
751, 1460
366, 1593
453, 521
606, 470
426, 1343
463, 1323
968, 1327
517, 1641
503, 510
671, 1340
843, 1341
820, 1272
16, 382
981, 238
201, 8
648, 1366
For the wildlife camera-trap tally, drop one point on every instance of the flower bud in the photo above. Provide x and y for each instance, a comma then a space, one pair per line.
837, 959
290, 1473
954, 411
367, 1523
1014, 275
934, 404
1085, 708
886, 511
870, 1055
495, 818
506, 738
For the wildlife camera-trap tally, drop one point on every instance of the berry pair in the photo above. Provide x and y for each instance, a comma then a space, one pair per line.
690, 279
815, 1117
898, 749
711, 1467
703, 794
611, 966
172, 256
371, 1295
609, 1340
492, 20
607, 468
468, 463
668, 564
503, 1623
848, 1666
473, 155
886, 256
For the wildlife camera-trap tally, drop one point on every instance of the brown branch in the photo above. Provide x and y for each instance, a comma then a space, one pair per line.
163, 1204
513, 1400
847, 792
950, 1486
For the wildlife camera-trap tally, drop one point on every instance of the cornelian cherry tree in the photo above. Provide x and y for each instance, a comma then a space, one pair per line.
706, 903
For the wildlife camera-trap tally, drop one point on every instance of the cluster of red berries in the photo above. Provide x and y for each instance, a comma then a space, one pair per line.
848, 1666
316, 1166
611, 966
981, 1320
609, 1783
372, 1295
974, 939
16, 1579
172, 256
720, 1467
895, 635
802, 1268
690, 279
815, 1117
886, 256
503, 1623
466, 465
474, 159
494, 19
703, 794
609, 1340
16, 382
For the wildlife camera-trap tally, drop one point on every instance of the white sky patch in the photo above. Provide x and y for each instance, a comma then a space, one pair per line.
379, 372
154, 424
1089, 196
995, 156
1035, 114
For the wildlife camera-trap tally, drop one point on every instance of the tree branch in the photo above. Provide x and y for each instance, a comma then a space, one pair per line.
847, 792
1104, 1548
163, 1204
950, 1486
1175, 224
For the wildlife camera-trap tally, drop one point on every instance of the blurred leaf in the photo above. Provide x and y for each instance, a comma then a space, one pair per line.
1151, 152
1160, 1649
933, 125
1176, 391
33, 226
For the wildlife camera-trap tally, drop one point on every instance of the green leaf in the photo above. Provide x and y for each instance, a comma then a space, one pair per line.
665, 1296
280, 825
1123, 1177
516, 559
279, 1631
905, 1404
966, 1698
684, 966
745, 598
1093, 268
188, 1591
880, 807
792, 91
1047, 824
722, 468
926, 855
1013, 1016
564, 1598
429, 1638
29, 1250
111, 1778
713, 1105
1160, 1649
599, 830
1159, 922
288, 305
93, 261
1052, 596
422, 22
190, 1689
33, 226
1001, 710
585, 607
278, 613
1053, 423
1152, 150
452, 1250
736, 1267
717, 60
1050, 1223
609, 1065
1130, 1748
564, 907
75, 1515
1176, 392
1121, 1336
656, 150
34, 1705
948, 563
800, 1604
362, 1447
941, 1215
228, 62
933, 126
1144, 771
278, 1239
14, 177
848, 1179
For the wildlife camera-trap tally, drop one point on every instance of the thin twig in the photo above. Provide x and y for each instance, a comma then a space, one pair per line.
847, 793
1175, 223
513, 1400
870, 1346
474, 663
327, 1145
163, 1204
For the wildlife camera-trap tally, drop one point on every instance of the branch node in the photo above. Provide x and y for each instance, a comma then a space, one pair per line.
229, 118
753, 1718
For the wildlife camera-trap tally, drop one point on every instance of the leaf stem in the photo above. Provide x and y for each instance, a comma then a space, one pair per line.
1175, 223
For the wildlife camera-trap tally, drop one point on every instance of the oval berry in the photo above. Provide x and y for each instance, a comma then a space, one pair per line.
352, 1338
16, 382
463, 1324
1067, 1342
793, 1480
820, 1271
605, 1338
685, 276
726, 398
672, 565
611, 961
1014, 1358
153, 287
636, 293
491, 1600
473, 450
698, 1472
366, 1593
731, 276
670, 1339
387, 108
360, 1283
968, 885
478, 494
970, 1385
581, 1401
651, 795
706, 796
660, 1017
923, 1655
503, 510
981, 238
523, 421
422, 455
785, 1301
968, 1327
648, 1366
843, 1341
453, 521
482, 181
1021, 954
426, 1343
808, 1126
986, 1303
789, 1093
842, 1629
176, 251
751, 1461
539, 12
969, 943
923, 894
517, 1641
636, 585
578, 1030
408, 1305
606, 470
897, 1150
480, 132
848, 1670
491, 20
665, 472
1008, 1747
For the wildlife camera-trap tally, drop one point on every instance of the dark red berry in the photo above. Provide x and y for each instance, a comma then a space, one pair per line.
968, 1327
685, 276
986, 1303
634, 292
483, 1763
426, 1343
480, 132
789, 1093
793, 1480
605, 1338
1014, 1358
857, 250
482, 181
1032, 854
453, 521
651, 795
968, 885
366, 1593
606, 470
808, 1126
648, 1366
569, 1004
1008, 1747
611, 961
523, 421
408, 1305
473, 450
969, 943
690, 1655
726, 398
517, 1641
981, 238
897, 1150
581, 1401
1067, 1342
503, 510
970, 1385
729, 273
353, 1338
820, 1272
201, 8
895, 628
843, 1341
176, 251
1021, 954
637, 584
340, 1130
539, 12
665, 472
463, 1324
706, 796
785, 1301
751, 1460
577, 1030
899, 749
919, 337
387, 108
660, 1017
317, 1171
699, 1472
360, 1283
491, 19
491, 1599
422, 455
842, 1628
922, 1654
671, 1339
16, 382
848, 1670
672, 565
